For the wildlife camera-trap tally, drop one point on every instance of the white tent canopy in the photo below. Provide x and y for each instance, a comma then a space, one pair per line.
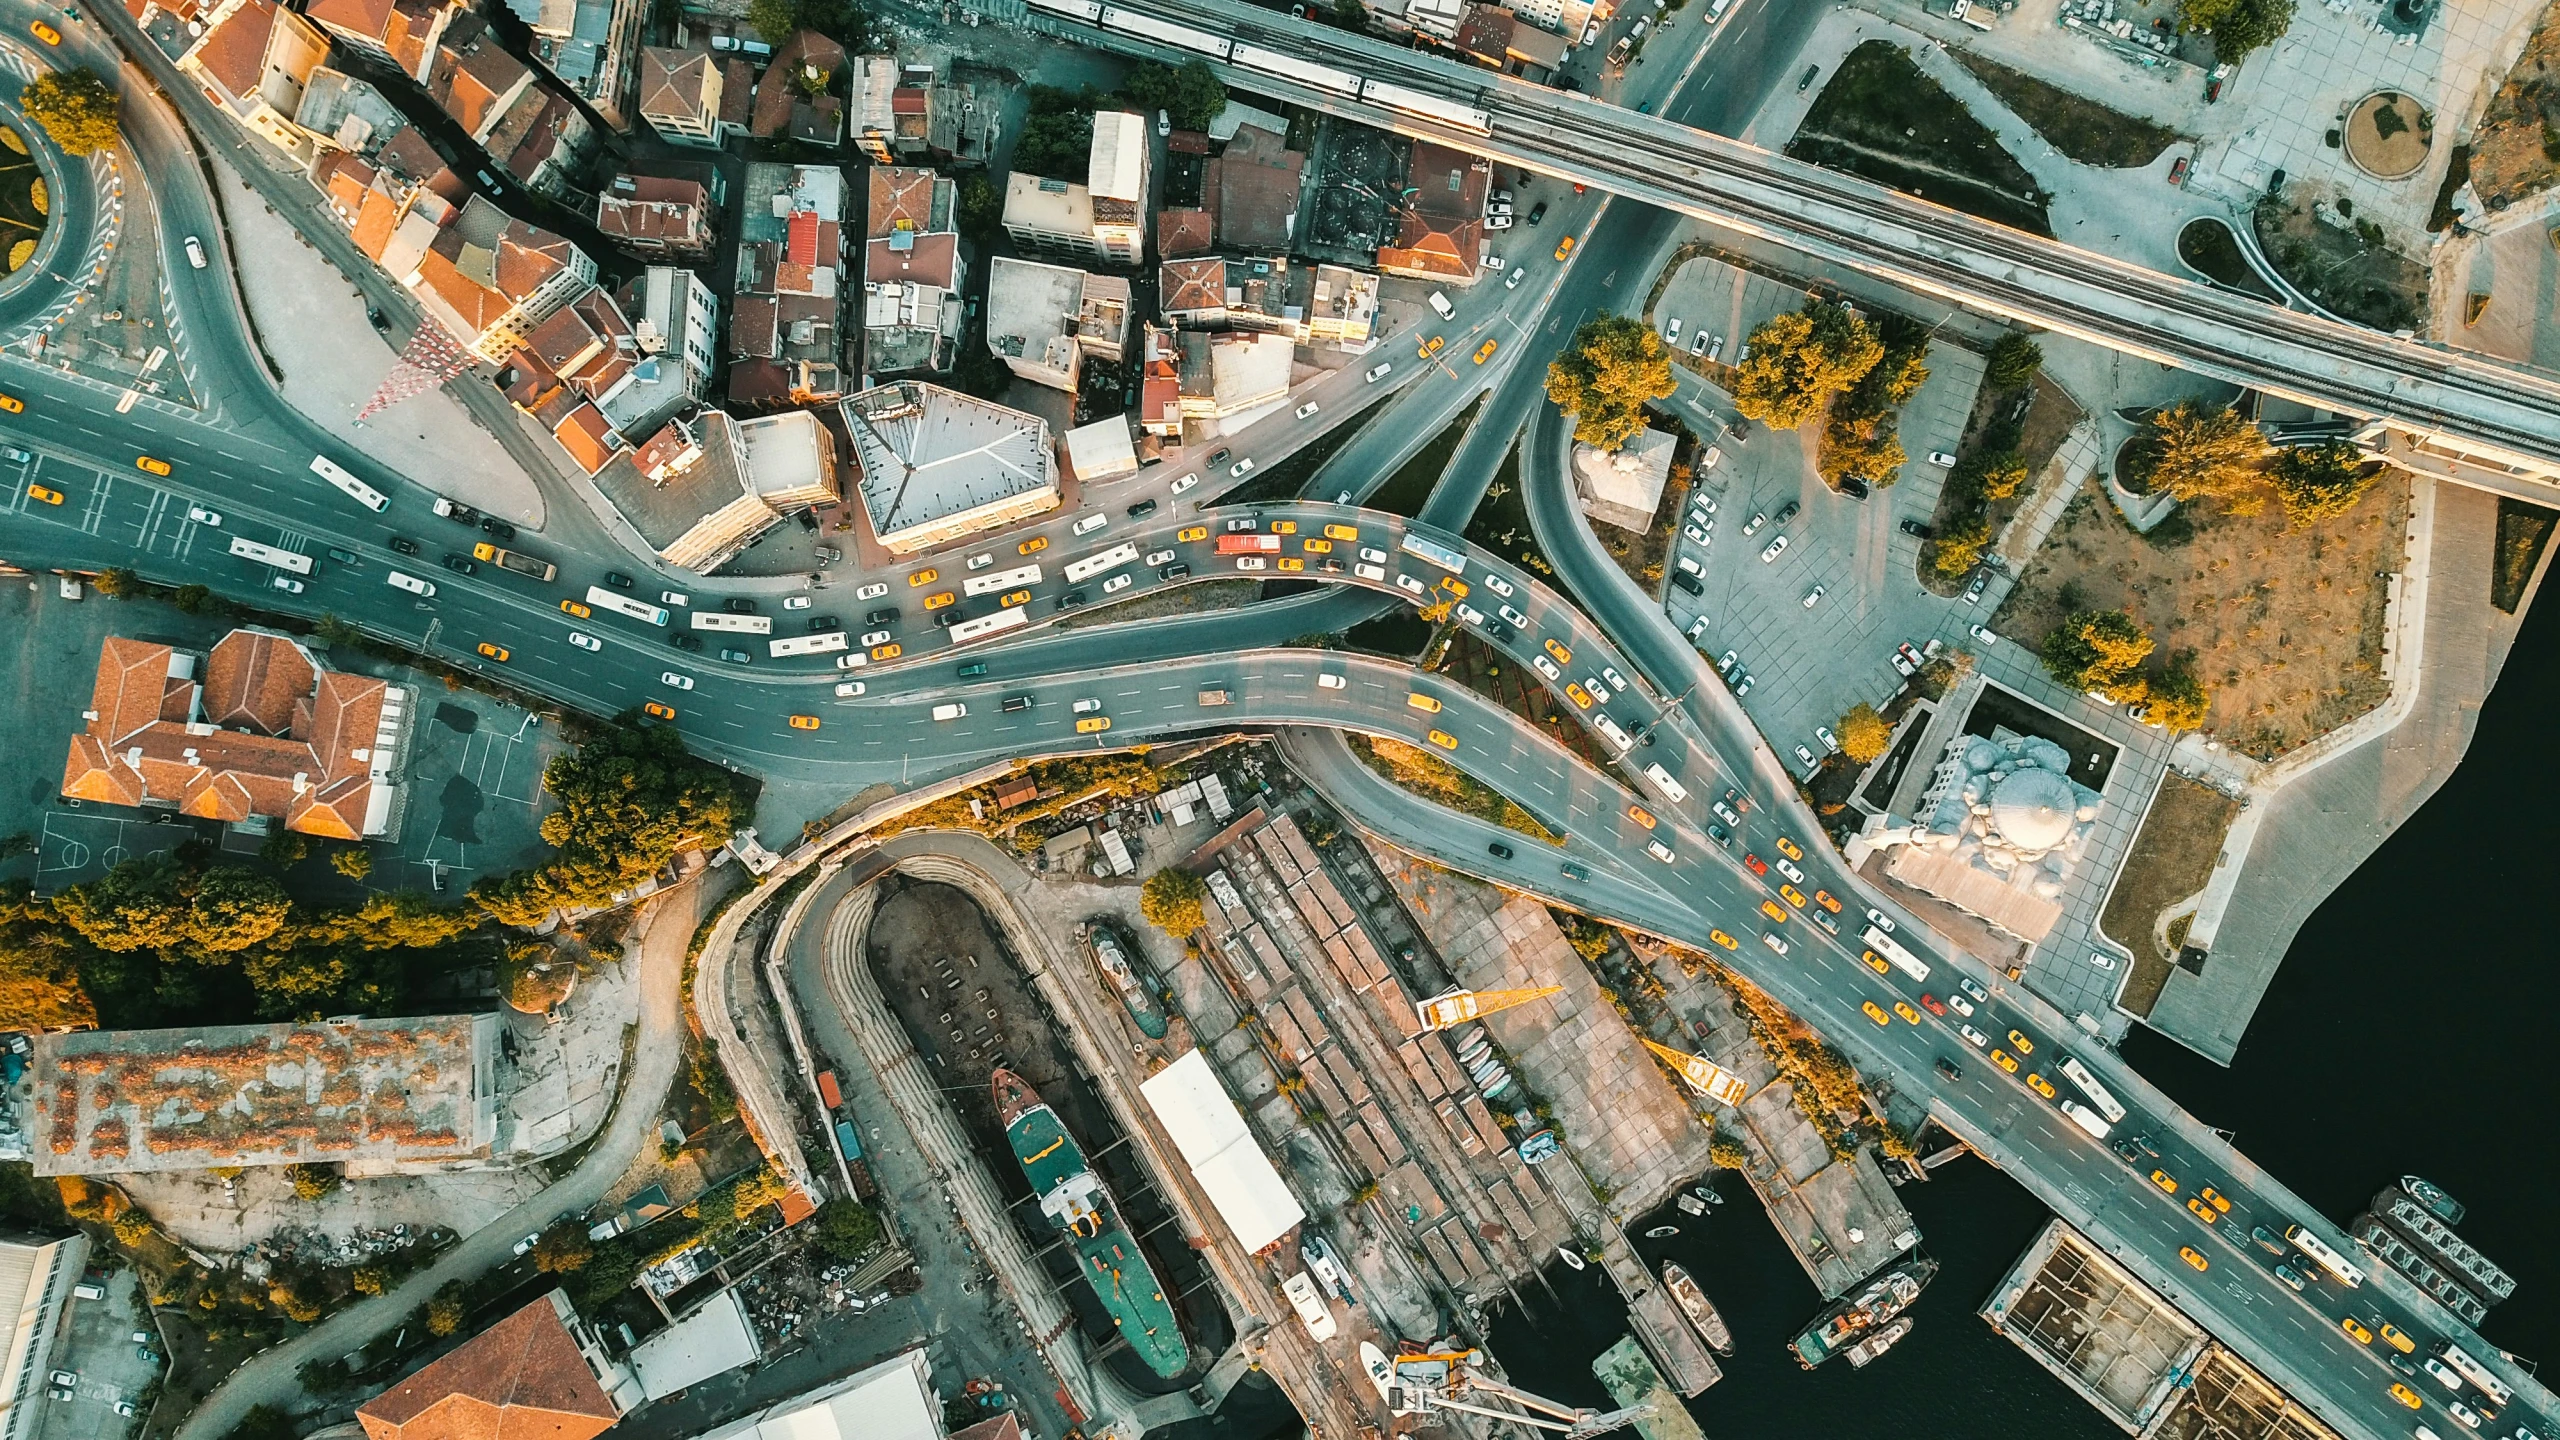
1211, 1134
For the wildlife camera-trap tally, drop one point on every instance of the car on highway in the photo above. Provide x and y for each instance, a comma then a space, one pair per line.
1791, 895
1641, 816
1723, 939
1658, 851
1183, 484
1724, 812
2214, 1198
1485, 351
2444, 1374
871, 592
981, 560
1564, 247
1974, 1038
2004, 1060
804, 722
488, 651
890, 651
674, 681
151, 464
1875, 1012
1331, 682
15, 406
1251, 562
2040, 1085
1443, 739
1775, 942
1011, 598
847, 689
1285, 562
2392, 1335
923, 578
1966, 984
1599, 689
45, 33
1933, 1004
2289, 1276
2202, 1211
1903, 1009
2188, 1254
202, 516
1546, 667
1947, 1069
1118, 583
1880, 920
1788, 869
286, 583
1774, 911
585, 641
462, 564
1093, 724
1430, 347
2025, 1045
1512, 281
1380, 371
1775, 548
1307, 409
2165, 1181
2355, 1330
1827, 901
44, 493
1241, 468
1875, 962
1755, 864
2403, 1393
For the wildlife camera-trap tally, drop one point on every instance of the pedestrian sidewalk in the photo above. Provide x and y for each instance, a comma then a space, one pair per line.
310, 321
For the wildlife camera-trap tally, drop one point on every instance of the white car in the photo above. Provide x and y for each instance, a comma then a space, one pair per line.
1470, 614
1546, 667
1974, 1038
1599, 692
1902, 663
849, 688
1805, 758
1616, 681
1497, 222
1787, 867
1372, 573
982, 560
1252, 562
674, 681
1983, 634
1330, 682
1960, 1005
1235, 527
1089, 524
1116, 583
1752, 526
1671, 332
1703, 504
1240, 469
1513, 281
1813, 596
1726, 662
1374, 557
1498, 585
202, 516
1159, 557
1086, 706
1517, 619
1185, 483
1658, 851
2102, 959
674, 597
870, 592
1698, 534
1379, 371
795, 602
1697, 627
286, 583
585, 641
1829, 741
875, 637
1941, 459
1496, 262
1307, 409
1880, 920
1773, 550
1409, 585
1774, 942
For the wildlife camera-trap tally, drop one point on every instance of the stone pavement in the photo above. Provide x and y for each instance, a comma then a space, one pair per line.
311, 322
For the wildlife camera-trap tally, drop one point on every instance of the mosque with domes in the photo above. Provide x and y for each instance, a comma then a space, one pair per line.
1998, 832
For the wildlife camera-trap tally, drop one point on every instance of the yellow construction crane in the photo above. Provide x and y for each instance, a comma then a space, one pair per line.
1422, 1384
1704, 1075
1457, 1007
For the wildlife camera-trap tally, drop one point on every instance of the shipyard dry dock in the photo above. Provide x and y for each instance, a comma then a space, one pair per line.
2125, 1349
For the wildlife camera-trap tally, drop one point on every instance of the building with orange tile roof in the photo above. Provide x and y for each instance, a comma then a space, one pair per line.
489, 278
253, 60
253, 733
1443, 229
539, 1374
399, 33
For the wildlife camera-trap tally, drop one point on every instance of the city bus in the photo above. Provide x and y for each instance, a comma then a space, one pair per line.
727, 623
1014, 579
358, 491
2329, 1260
270, 555
2087, 1119
1891, 949
824, 642
1013, 618
1079, 571
2087, 1084
621, 604
2472, 1370
1447, 558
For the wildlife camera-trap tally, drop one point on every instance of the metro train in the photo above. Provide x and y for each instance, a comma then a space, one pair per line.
1254, 57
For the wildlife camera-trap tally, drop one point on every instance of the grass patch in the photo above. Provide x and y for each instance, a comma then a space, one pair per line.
1407, 490
2208, 245
2080, 128
1287, 477
2523, 529
1188, 598
1881, 118
2171, 859
2354, 273
1436, 780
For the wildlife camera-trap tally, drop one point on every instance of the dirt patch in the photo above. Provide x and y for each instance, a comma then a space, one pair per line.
2516, 151
2080, 128
2172, 858
2286, 628
1409, 489
2346, 264
1882, 118
2388, 135
1186, 599
2523, 530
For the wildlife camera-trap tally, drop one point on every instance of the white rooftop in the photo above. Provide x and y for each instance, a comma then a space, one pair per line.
1102, 450
1211, 1134
893, 1400
928, 453
1119, 157
713, 1339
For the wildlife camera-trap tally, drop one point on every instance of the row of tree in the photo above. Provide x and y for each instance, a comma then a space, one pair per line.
2194, 451
1989, 469
1057, 132
2103, 652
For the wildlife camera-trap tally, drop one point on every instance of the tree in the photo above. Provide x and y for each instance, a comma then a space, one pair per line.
1863, 734
2237, 26
2179, 700
444, 1312
631, 799
1867, 448
1191, 96
76, 109
1801, 360
1726, 1152
40, 965
846, 1230
773, 20
1615, 366
981, 205
2315, 482
353, 861
136, 906
2013, 363
233, 909
120, 583
1999, 475
1959, 547
1171, 901
1055, 144
563, 1247
2193, 453
314, 1182
2097, 650
371, 1279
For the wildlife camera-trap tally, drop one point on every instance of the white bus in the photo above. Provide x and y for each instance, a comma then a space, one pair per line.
1662, 781
722, 620
1079, 571
1891, 949
1617, 735
2472, 1370
2329, 1260
822, 643
2087, 1119
2087, 1084
621, 604
358, 491
270, 555
1001, 580
1011, 618
1423, 548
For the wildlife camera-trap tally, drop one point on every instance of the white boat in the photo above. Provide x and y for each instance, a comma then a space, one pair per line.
1570, 1256
1691, 1205
1693, 1303
1879, 1342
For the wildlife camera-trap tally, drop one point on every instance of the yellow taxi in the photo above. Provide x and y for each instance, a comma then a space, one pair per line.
45, 33
2025, 1045
1789, 849
1313, 546
1340, 532
1038, 543
1903, 1009
922, 578
1093, 724
2005, 1061
1563, 656
13, 404
151, 464
656, 711
804, 722
1017, 597
2188, 1254
1290, 562
2202, 1211
890, 651
492, 652
1564, 247
48, 496
1574, 692
1187, 534
1456, 587
1772, 909
2361, 1335
1791, 895
1827, 901
2397, 1338
1443, 739
2214, 1198
1723, 939
1429, 705
1485, 351
2165, 1181
1641, 816
2405, 1395
577, 608
1875, 1012
939, 599
1875, 962
2040, 1085
1431, 346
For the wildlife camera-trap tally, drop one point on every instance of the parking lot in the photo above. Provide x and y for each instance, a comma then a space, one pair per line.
96, 1345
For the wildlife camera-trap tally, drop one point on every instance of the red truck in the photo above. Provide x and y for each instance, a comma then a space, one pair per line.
827, 1090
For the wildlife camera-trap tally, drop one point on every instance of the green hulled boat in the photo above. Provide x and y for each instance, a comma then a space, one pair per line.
1075, 1200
